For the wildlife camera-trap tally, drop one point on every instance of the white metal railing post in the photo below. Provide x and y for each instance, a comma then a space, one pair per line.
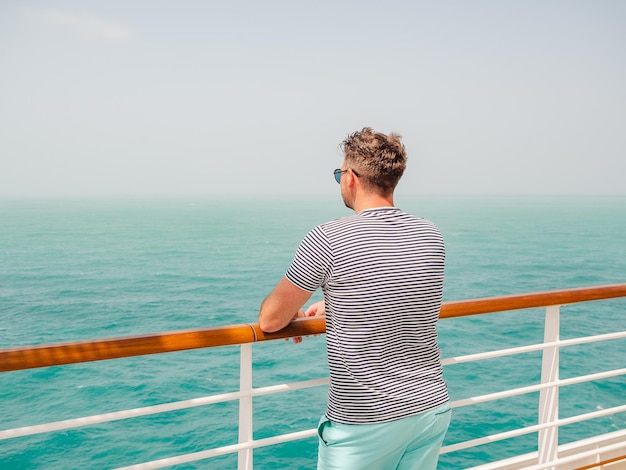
548, 439
245, 406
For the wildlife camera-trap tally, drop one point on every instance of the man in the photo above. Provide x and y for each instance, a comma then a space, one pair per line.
381, 271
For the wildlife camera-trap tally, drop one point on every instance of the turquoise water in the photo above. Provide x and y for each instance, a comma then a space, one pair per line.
82, 269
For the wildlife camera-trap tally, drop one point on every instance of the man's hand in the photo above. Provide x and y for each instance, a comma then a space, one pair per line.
318, 309
315, 310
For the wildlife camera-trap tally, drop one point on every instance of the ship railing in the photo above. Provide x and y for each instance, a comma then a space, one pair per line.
585, 454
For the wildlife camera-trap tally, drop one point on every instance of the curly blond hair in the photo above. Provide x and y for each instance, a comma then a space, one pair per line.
378, 159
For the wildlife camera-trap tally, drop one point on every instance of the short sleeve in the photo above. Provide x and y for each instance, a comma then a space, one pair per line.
312, 263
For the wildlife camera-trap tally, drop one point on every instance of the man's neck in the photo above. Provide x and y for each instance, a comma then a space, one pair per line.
371, 201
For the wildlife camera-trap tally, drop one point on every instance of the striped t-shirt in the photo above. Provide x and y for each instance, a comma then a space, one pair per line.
381, 272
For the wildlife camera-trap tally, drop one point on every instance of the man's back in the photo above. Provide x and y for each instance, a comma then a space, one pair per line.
382, 275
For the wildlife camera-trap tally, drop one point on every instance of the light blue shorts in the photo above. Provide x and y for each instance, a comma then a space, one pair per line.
407, 443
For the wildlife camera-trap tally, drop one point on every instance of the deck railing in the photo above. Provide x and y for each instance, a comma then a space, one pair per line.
609, 447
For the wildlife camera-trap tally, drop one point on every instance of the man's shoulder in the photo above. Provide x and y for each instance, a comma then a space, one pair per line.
372, 220
339, 223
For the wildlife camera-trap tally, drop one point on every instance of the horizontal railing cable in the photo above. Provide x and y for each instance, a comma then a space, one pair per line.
531, 429
205, 454
532, 348
535, 388
155, 409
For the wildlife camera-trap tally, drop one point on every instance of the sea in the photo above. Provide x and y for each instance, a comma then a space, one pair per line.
79, 269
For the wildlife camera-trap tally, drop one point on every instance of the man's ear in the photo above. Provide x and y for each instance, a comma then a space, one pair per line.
351, 178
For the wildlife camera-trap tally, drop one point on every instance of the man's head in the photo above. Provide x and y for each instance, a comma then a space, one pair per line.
378, 159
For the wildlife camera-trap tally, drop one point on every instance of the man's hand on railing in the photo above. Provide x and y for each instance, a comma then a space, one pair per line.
318, 309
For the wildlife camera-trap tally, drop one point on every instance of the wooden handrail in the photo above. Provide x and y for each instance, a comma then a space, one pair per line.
603, 463
533, 300
29, 357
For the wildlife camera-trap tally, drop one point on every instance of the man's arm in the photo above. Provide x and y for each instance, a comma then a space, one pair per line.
281, 306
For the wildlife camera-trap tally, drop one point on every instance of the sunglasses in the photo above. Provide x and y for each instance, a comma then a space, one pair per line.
338, 172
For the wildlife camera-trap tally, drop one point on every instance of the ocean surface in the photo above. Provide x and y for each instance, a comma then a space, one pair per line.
84, 269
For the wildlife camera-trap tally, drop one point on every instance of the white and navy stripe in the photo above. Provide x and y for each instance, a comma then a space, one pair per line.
382, 275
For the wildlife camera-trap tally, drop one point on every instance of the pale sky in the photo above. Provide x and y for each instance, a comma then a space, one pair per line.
156, 98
